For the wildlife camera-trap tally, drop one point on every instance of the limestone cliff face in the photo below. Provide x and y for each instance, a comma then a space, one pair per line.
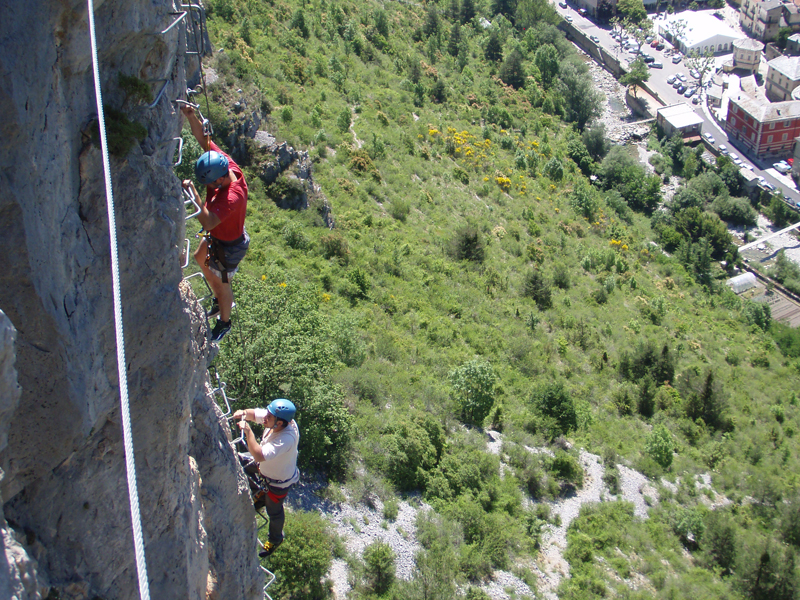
63, 487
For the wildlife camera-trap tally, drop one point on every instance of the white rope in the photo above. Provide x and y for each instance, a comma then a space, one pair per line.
133, 494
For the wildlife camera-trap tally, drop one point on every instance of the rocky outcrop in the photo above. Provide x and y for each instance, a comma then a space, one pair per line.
64, 487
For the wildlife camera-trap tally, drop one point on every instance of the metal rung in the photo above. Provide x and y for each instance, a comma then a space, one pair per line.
180, 18
186, 254
241, 437
271, 577
190, 198
201, 49
221, 390
187, 103
160, 93
180, 150
200, 275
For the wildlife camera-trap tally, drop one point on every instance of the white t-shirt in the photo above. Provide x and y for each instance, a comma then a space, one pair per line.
280, 452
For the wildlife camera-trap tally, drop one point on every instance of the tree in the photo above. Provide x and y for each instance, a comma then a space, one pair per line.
582, 102
305, 557
379, 566
494, 49
473, 389
532, 13
637, 75
555, 407
702, 62
783, 36
595, 140
632, 10
467, 11
704, 397
504, 7
660, 446
537, 288
719, 541
512, 71
779, 211
547, 61
455, 39
432, 22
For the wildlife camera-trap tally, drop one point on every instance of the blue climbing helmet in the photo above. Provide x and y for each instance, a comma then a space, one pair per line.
283, 409
210, 166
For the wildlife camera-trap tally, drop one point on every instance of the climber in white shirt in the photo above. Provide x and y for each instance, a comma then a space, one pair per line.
276, 457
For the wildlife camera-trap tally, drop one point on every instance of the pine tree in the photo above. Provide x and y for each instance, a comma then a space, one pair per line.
494, 49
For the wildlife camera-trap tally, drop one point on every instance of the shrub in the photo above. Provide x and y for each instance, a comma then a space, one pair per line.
660, 446
304, 558
334, 246
399, 209
468, 245
379, 566
473, 389
536, 287
554, 169
411, 448
555, 407
325, 429
294, 237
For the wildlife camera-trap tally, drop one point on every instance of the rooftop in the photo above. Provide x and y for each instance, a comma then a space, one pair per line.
788, 66
680, 115
748, 44
700, 26
764, 112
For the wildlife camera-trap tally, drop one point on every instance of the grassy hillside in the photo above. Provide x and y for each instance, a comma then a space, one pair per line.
476, 278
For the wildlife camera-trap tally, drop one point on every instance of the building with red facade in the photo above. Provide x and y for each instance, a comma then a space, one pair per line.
766, 129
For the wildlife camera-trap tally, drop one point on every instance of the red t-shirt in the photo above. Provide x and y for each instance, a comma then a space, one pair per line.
229, 203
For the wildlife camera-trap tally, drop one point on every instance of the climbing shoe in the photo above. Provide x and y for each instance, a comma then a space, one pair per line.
221, 328
269, 548
214, 310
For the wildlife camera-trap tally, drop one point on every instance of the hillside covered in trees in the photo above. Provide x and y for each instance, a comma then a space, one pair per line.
476, 277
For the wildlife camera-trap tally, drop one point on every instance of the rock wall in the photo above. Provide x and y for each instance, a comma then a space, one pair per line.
64, 484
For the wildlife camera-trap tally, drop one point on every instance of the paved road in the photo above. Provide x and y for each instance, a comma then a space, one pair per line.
668, 95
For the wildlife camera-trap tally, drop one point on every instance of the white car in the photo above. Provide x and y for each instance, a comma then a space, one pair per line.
723, 149
682, 77
595, 39
709, 137
782, 167
671, 79
562, 4
733, 157
738, 161
568, 19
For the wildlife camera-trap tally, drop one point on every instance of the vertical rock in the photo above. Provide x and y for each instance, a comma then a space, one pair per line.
65, 480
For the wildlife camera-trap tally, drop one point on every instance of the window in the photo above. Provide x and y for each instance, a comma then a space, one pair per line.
784, 136
769, 139
787, 123
772, 125
733, 121
753, 135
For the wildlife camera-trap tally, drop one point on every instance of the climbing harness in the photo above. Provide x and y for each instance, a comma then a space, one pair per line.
127, 434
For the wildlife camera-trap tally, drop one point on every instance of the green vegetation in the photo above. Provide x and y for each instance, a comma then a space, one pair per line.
476, 277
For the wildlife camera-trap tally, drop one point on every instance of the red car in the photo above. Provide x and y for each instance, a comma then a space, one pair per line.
654, 43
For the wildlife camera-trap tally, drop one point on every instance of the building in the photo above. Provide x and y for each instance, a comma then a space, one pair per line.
783, 76
793, 44
747, 54
698, 31
761, 18
767, 129
742, 283
679, 118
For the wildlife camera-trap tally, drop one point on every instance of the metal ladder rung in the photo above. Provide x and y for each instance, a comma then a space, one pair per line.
186, 254
190, 199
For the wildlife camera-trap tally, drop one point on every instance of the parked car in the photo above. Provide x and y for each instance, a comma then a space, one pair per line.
568, 19
737, 161
694, 73
660, 46
648, 59
654, 43
656, 65
769, 186
709, 137
681, 89
677, 83
723, 149
562, 4
583, 12
733, 156
682, 77
695, 99
649, 39
671, 79
676, 59
689, 93
782, 167
595, 39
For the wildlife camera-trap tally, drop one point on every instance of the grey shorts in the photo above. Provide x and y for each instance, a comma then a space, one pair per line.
233, 256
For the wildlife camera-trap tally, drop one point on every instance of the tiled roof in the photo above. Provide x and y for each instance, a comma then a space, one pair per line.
764, 112
748, 44
789, 66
